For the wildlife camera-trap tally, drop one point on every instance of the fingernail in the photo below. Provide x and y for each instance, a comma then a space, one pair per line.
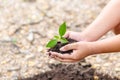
62, 49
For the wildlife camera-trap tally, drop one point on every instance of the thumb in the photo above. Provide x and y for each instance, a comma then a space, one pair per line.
69, 47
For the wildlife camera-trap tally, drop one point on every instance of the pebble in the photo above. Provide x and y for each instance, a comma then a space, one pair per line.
31, 63
39, 66
30, 37
25, 51
106, 64
40, 48
95, 66
14, 68
6, 38
5, 61
15, 75
30, 56
96, 78
99, 59
117, 69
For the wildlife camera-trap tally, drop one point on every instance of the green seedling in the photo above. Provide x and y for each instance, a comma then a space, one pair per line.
14, 40
58, 38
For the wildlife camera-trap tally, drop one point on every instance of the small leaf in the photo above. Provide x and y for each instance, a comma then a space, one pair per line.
56, 37
14, 41
62, 29
63, 40
51, 43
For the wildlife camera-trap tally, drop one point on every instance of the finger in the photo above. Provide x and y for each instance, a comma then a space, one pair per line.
64, 60
52, 56
62, 56
48, 53
69, 47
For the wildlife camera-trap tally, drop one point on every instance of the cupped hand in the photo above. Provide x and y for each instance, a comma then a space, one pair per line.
80, 51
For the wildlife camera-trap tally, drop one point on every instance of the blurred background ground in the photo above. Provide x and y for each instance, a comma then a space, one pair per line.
26, 26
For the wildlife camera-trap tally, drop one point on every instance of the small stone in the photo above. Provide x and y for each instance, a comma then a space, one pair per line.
25, 51
5, 62
30, 56
31, 63
99, 59
6, 38
38, 66
15, 75
40, 48
30, 36
95, 66
96, 78
14, 68
26, 75
117, 69
85, 64
107, 64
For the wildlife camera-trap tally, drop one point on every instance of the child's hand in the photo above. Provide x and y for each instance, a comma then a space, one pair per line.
80, 51
74, 35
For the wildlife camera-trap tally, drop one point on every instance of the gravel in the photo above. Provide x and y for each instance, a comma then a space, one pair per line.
26, 26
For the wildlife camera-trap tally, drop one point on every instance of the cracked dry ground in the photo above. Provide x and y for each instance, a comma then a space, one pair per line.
26, 26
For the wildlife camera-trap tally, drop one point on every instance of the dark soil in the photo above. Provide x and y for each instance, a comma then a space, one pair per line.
78, 71
59, 45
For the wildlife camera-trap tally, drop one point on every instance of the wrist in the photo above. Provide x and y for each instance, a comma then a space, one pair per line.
85, 37
94, 48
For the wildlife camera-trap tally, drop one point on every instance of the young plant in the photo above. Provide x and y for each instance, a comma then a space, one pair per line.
58, 38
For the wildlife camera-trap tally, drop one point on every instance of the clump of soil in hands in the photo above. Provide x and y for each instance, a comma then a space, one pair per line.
57, 47
59, 41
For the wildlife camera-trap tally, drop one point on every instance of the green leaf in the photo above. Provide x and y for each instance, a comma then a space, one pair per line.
56, 37
62, 29
63, 40
51, 43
